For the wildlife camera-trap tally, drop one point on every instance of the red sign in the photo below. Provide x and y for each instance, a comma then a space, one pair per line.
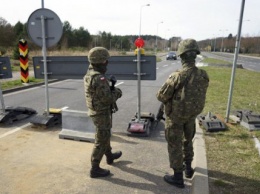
139, 42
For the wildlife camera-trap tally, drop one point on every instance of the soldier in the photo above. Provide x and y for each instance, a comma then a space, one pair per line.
99, 98
183, 95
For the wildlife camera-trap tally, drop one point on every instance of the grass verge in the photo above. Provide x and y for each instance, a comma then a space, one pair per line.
17, 83
233, 160
215, 61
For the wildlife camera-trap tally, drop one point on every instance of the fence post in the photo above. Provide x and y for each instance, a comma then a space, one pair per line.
23, 50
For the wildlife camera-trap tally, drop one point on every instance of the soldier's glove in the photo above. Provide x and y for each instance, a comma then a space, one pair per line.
118, 93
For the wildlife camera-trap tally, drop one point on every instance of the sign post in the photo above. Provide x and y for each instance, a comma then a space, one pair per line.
45, 30
140, 125
139, 43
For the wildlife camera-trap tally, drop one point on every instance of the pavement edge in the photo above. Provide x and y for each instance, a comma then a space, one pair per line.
200, 184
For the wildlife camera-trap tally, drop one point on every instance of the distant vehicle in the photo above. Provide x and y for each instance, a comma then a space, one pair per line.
171, 55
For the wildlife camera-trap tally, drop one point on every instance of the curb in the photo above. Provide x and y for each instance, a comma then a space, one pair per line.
200, 184
28, 86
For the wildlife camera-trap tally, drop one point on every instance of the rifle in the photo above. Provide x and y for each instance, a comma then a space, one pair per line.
112, 88
160, 113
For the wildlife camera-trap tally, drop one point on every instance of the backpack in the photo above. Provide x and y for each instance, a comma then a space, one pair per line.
189, 99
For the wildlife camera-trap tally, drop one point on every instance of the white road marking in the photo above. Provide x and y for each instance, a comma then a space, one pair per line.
14, 130
165, 65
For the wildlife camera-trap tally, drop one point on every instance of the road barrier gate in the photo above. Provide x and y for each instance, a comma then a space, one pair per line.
75, 67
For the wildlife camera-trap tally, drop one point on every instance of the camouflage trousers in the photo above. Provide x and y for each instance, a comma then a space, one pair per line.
179, 134
102, 137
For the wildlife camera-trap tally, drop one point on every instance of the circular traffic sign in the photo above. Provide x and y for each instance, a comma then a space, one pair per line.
52, 26
139, 42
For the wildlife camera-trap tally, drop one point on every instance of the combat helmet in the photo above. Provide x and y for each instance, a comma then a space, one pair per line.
188, 45
98, 55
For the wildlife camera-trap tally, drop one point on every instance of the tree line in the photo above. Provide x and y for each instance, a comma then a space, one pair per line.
81, 39
71, 39
227, 44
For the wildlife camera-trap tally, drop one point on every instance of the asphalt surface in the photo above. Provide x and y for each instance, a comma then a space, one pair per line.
35, 160
248, 62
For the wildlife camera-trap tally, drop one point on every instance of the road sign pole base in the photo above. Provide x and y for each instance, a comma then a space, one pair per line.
53, 119
141, 127
12, 114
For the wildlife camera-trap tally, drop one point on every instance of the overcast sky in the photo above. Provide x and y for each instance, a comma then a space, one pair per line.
198, 19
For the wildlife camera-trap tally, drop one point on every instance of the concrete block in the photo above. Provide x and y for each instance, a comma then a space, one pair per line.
77, 125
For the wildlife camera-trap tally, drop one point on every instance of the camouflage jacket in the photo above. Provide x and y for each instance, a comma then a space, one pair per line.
184, 92
99, 97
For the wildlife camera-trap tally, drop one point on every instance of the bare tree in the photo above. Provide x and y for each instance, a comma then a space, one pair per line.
6, 33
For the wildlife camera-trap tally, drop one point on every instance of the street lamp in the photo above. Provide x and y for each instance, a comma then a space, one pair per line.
222, 39
141, 17
241, 32
214, 42
165, 44
156, 37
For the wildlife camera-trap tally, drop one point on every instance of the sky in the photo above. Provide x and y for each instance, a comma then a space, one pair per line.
198, 19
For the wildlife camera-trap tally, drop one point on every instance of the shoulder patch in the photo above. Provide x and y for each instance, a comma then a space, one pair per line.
102, 78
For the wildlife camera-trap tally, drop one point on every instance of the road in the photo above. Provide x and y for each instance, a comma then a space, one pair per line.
70, 93
250, 63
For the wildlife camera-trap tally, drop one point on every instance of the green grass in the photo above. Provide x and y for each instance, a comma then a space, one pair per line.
17, 83
215, 61
15, 68
245, 93
233, 160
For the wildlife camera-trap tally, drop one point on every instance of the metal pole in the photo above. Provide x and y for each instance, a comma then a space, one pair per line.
222, 45
140, 21
235, 60
2, 100
42, 3
215, 44
45, 64
139, 84
156, 37
139, 71
141, 18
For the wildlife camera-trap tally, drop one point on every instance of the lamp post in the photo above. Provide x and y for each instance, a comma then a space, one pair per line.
165, 44
222, 39
141, 17
241, 35
156, 36
139, 70
214, 42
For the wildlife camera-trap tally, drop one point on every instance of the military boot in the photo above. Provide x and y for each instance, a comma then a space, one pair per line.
176, 179
113, 156
96, 171
189, 171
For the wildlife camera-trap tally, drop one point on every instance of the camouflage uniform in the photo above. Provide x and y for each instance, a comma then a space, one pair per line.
183, 95
99, 99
